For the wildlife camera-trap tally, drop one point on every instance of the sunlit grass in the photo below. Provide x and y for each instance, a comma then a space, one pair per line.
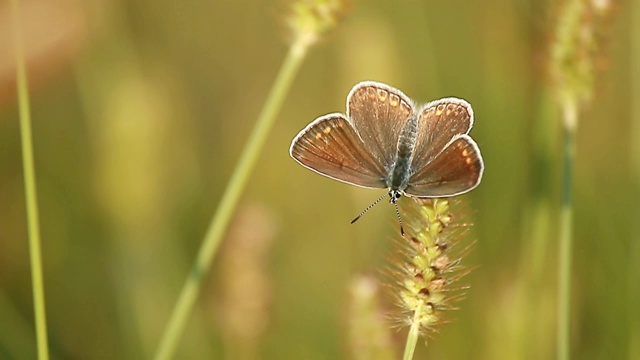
574, 54
427, 271
309, 20
30, 189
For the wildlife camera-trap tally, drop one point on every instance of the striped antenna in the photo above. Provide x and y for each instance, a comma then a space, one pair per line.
368, 208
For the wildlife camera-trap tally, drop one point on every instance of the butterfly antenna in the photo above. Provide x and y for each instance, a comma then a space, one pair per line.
368, 208
399, 219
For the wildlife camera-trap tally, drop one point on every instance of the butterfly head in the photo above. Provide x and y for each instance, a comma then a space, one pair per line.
394, 196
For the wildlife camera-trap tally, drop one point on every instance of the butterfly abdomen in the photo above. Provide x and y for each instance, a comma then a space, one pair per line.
406, 143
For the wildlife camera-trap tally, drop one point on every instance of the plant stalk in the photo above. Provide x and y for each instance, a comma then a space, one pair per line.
412, 337
28, 165
231, 195
570, 117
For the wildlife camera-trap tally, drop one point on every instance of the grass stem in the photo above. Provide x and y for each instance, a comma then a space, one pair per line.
225, 210
33, 221
634, 245
412, 337
570, 115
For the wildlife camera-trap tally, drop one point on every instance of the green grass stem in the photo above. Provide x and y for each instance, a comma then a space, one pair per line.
570, 117
231, 195
634, 253
33, 221
412, 338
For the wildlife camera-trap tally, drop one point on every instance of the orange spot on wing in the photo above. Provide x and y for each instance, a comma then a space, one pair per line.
394, 100
382, 95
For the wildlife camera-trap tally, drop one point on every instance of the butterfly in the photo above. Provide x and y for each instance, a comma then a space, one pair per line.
386, 141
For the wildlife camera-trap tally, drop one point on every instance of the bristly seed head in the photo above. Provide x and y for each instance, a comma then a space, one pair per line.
427, 272
310, 19
578, 47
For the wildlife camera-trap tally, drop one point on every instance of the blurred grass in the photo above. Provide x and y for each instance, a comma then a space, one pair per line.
29, 176
138, 129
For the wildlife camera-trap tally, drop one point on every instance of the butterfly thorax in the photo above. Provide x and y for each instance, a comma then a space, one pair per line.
399, 179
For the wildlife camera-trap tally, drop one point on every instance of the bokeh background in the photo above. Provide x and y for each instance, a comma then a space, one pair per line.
141, 109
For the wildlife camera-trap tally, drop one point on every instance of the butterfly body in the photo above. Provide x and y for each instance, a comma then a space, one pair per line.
385, 141
399, 179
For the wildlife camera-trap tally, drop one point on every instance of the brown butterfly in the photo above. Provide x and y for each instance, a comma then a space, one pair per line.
386, 141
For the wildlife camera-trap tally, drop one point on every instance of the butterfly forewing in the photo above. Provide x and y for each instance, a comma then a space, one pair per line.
456, 170
330, 146
378, 112
438, 123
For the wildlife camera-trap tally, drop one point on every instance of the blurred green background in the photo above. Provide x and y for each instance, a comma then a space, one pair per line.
141, 109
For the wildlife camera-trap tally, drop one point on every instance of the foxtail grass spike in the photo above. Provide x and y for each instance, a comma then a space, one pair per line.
426, 272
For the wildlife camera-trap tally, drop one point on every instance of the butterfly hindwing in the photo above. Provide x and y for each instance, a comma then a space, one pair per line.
456, 170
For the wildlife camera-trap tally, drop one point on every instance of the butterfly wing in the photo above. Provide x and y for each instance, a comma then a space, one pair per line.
330, 146
446, 161
378, 113
456, 170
